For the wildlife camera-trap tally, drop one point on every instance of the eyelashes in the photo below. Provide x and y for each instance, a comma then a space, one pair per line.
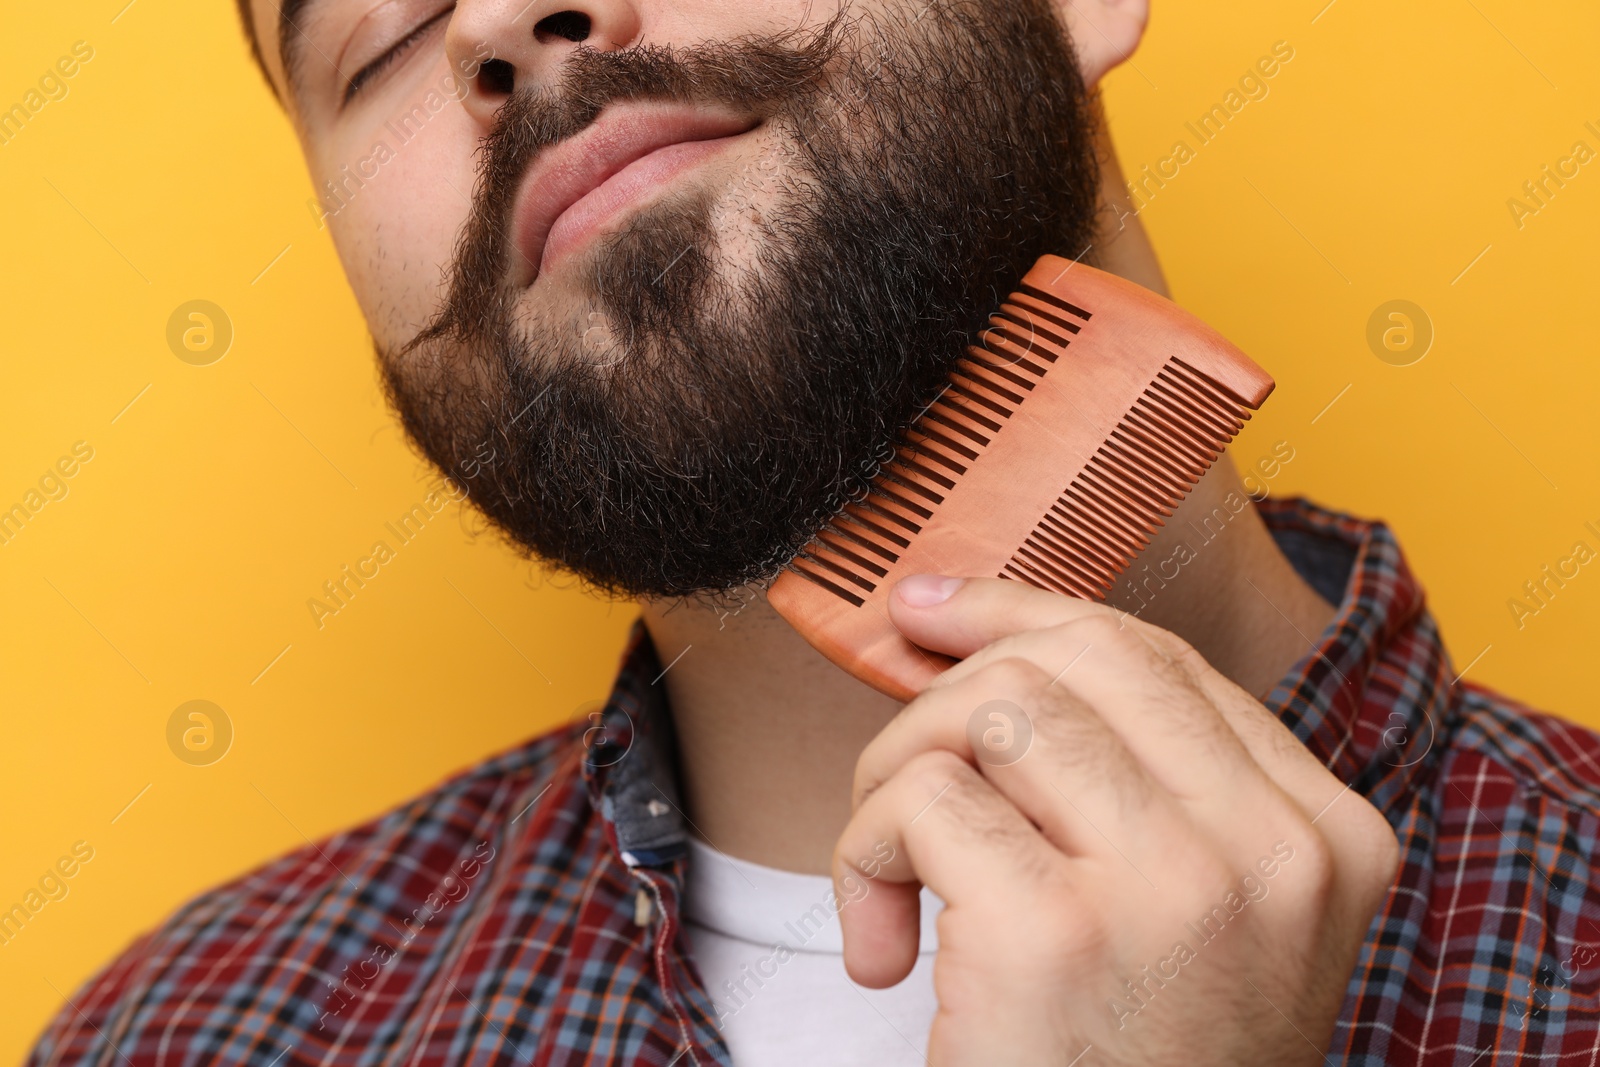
367, 73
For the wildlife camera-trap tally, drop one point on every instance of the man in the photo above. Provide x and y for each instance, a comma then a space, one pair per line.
654, 294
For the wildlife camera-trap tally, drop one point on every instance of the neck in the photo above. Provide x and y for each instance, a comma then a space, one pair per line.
769, 731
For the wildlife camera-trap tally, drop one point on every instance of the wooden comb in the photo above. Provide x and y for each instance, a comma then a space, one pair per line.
1088, 410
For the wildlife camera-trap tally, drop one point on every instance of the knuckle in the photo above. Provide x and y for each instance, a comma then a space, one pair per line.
1184, 655
1388, 854
910, 722
1065, 933
1312, 849
1315, 866
1380, 849
866, 781
1101, 630
948, 787
1079, 741
1210, 879
1013, 674
1173, 667
1070, 728
937, 769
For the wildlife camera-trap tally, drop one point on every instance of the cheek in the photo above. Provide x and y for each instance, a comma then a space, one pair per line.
723, 19
396, 231
753, 191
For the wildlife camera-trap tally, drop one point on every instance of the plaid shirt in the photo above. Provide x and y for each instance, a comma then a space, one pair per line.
528, 910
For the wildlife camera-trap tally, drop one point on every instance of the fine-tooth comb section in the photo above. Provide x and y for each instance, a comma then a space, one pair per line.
1079, 379
1149, 463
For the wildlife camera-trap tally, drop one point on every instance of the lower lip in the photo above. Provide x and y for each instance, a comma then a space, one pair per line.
587, 216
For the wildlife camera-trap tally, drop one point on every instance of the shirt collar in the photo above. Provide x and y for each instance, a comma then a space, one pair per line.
1371, 698
1374, 697
630, 762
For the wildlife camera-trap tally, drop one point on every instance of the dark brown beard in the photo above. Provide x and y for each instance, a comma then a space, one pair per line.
939, 156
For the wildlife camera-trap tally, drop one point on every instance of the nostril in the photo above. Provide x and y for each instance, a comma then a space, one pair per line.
567, 25
497, 77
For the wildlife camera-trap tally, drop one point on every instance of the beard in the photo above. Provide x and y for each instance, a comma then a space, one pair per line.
690, 422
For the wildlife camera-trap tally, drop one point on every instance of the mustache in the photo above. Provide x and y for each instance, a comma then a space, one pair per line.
766, 75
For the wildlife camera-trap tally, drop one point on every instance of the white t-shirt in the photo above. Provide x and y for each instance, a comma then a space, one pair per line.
768, 944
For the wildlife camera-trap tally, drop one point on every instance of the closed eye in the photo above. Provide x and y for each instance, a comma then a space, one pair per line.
383, 62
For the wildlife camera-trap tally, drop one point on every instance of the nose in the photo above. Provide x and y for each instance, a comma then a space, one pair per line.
514, 44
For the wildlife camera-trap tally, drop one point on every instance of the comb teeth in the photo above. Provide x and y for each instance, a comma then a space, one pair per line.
1150, 461
986, 387
1126, 405
1160, 449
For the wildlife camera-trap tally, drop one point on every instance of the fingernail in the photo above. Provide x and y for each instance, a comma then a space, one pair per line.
926, 590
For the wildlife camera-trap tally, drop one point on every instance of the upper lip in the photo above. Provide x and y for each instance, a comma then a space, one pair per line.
565, 172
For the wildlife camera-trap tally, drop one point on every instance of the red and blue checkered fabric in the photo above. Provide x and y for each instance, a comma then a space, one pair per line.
498, 919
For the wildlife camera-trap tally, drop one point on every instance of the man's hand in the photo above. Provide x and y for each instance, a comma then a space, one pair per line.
1136, 857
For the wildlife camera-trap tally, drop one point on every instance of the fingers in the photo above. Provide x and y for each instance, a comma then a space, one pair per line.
1077, 787
882, 930
948, 829
1146, 696
959, 616
1196, 732
1040, 747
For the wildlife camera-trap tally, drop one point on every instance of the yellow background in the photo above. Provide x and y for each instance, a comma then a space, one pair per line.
178, 566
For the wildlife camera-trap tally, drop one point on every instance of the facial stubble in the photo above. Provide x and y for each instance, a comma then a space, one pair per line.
724, 411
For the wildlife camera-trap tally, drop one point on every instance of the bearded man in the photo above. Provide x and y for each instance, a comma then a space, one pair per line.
657, 295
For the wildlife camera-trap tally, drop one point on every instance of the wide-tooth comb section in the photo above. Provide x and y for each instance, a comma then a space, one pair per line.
936, 449
1154, 456
1052, 300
